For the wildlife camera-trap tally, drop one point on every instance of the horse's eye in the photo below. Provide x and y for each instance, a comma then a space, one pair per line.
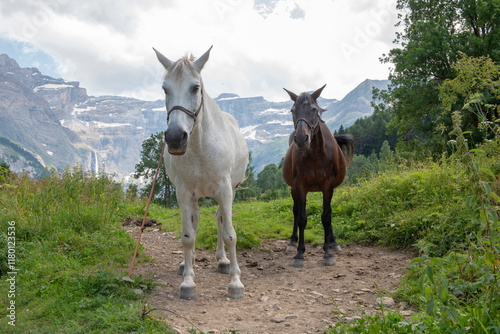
195, 89
165, 90
314, 110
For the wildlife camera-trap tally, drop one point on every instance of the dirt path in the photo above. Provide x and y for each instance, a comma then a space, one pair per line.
278, 297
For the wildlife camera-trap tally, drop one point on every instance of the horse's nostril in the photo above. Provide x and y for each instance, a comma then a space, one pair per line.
301, 140
184, 135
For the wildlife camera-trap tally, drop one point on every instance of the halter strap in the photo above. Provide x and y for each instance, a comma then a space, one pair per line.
312, 127
186, 111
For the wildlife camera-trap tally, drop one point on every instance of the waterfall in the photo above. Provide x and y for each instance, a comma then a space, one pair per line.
96, 164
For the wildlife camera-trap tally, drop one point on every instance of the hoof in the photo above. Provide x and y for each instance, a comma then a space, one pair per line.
236, 291
223, 267
335, 248
291, 248
297, 263
188, 291
329, 261
180, 271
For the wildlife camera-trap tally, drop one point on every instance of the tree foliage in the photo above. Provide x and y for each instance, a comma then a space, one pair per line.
248, 188
164, 191
370, 133
434, 34
475, 91
4, 171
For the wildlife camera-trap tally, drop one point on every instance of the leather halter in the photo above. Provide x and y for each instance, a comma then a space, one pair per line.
186, 111
313, 127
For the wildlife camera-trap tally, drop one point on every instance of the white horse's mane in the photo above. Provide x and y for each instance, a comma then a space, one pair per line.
177, 69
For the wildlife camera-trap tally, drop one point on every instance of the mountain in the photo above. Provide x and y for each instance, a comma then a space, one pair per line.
27, 119
58, 124
48, 122
354, 105
261, 121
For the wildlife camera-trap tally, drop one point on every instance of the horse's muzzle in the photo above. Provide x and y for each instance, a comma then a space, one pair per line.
177, 142
302, 142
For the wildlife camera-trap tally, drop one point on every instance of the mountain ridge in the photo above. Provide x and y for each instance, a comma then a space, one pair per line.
59, 124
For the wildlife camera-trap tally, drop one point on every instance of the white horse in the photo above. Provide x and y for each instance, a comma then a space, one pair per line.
207, 157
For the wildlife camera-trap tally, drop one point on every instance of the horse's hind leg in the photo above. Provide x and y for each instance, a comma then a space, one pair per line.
222, 260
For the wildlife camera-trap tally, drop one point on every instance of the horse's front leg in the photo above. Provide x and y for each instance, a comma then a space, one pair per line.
330, 243
190, 219
293, 239
236, 290
223, 262
299, 200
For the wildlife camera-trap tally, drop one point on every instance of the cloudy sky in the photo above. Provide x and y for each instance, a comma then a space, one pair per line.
259, 46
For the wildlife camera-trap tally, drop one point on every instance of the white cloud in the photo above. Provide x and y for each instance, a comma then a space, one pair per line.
296, 44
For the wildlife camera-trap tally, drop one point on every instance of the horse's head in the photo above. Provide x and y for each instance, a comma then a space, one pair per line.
306, 117
183, 98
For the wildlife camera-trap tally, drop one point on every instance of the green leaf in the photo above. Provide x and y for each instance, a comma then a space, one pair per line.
476, 165
493, 214
468, 202
487, 188
421, 283
443, 294
491, 259
428, 293
429, 307
488, 172
453, 315
430, 274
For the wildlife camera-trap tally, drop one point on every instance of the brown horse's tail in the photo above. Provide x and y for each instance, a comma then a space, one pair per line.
347, 144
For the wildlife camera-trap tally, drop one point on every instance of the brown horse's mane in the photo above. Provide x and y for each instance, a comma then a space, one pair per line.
307, 98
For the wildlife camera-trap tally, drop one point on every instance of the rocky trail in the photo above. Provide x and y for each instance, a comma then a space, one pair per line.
278, 297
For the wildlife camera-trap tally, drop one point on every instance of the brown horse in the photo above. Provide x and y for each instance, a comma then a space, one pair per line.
316, 160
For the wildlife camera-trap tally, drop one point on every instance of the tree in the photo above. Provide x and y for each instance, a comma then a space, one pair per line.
370, 132
435, 32
385, 152
132, 191
270, 178
248, 188
476, 93
5, 171
146, 168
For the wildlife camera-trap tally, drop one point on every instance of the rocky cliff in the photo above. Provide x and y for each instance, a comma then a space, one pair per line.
28, 119
57, 123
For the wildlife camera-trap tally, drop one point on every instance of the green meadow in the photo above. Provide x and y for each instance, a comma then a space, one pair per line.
72, 253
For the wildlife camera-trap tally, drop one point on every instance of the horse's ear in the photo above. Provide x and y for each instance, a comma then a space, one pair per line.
293, 96
317, 93
200, 62
163, 60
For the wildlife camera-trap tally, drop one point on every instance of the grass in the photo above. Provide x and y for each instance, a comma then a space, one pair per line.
71, 254
426, 207
456, 281
419, 206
